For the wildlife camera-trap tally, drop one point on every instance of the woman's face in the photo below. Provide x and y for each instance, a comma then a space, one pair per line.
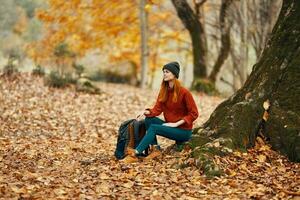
168, 76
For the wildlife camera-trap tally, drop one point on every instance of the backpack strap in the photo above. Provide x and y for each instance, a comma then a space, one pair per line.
136, 132
131, 134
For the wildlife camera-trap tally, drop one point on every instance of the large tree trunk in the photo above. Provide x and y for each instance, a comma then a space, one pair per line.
275, 77
196, 31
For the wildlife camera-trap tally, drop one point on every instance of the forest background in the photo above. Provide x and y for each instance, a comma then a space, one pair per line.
104, 38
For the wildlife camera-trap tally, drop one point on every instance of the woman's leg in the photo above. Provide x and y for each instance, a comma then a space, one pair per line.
165, 131
153, 120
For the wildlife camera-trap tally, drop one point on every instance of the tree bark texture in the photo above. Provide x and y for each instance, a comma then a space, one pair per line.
276, 78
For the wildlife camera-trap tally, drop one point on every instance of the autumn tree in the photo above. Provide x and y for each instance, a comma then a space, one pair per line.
111, 27
17, 27
192, 20
268, 103
197, 35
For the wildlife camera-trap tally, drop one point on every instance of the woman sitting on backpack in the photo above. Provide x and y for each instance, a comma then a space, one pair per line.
179, 110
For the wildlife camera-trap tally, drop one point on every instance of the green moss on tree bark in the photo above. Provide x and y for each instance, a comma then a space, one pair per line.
275, 77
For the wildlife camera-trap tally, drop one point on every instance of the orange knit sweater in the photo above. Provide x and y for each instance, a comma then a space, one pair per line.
185, 108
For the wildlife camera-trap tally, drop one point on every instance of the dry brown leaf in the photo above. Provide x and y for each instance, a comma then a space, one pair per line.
128, 184
60, 144
261, 158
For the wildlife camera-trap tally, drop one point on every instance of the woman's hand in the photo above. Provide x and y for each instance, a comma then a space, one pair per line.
170, 124
145, 112
174, 124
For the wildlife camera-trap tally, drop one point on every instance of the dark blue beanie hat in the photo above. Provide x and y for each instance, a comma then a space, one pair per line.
173, 67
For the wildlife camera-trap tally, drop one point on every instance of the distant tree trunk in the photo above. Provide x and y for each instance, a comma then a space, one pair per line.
225, 40
274, 78
262, 16
144, 44
244, 40
199, 9
196, 31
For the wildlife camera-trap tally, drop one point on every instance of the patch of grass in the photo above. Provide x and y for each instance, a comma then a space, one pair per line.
38, 71
198, 140
54, 79
10, 69
108, 76
79, 69
204, 85
84, 85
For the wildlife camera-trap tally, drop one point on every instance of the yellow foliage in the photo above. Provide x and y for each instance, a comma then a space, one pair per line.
147, 7
22, 22
113, 25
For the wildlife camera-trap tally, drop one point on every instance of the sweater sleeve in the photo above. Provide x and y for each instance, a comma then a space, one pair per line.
156, 110
192, 109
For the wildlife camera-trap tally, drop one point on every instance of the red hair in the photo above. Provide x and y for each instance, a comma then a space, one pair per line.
163, 92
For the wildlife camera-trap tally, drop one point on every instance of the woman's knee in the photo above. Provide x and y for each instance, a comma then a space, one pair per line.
152, 120
148, 119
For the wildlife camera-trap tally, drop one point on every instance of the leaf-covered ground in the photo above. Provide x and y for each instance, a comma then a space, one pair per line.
59, 144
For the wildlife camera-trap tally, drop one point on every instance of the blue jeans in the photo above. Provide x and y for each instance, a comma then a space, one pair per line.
154, 127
